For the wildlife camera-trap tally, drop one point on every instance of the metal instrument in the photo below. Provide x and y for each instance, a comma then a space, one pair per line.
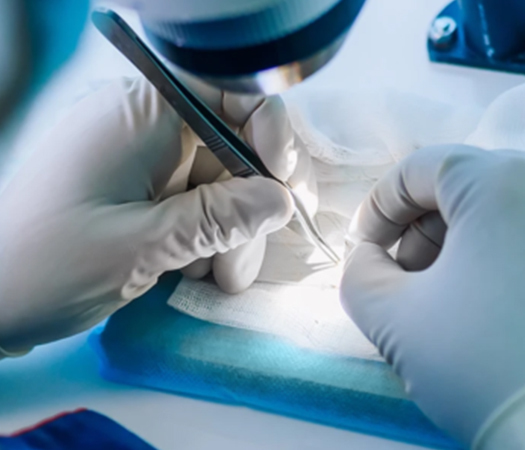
236, 156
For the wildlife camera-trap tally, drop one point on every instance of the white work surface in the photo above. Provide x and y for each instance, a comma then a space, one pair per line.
386, 48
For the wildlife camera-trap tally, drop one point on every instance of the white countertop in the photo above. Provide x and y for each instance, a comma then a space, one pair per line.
387, 48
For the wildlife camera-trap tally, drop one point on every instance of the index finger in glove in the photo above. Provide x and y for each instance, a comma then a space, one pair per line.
406, 193
264, 124
195, 225
268, 130
262, 121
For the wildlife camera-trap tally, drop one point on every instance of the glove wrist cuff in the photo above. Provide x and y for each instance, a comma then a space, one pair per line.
504, 428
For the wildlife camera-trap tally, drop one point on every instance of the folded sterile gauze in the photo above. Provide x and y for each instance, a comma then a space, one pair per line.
353, 139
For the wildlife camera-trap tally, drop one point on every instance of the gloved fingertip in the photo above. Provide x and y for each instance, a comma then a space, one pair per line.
198, 269
237, 108
269, 132
232, 287
236, 270
274, 200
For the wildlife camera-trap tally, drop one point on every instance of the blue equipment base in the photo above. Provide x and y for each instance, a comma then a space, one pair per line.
460, 54
150, 344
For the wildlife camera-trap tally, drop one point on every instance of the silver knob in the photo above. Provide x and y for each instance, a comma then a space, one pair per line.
443, 32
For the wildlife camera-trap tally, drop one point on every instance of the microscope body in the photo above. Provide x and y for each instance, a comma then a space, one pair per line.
251, 46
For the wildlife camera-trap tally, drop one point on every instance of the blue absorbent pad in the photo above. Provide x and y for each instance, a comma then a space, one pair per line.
78, 430
150, 344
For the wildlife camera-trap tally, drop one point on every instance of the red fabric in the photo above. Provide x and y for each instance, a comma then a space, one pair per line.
45, 422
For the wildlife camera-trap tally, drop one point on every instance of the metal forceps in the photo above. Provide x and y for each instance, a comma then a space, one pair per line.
235, 155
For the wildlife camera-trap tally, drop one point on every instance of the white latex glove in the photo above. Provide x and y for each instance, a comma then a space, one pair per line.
454, 332
501, 126
100, 210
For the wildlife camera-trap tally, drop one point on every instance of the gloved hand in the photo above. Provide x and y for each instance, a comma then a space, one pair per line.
101, 209
454, 331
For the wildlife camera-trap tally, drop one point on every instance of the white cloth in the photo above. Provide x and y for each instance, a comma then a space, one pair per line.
353, 140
